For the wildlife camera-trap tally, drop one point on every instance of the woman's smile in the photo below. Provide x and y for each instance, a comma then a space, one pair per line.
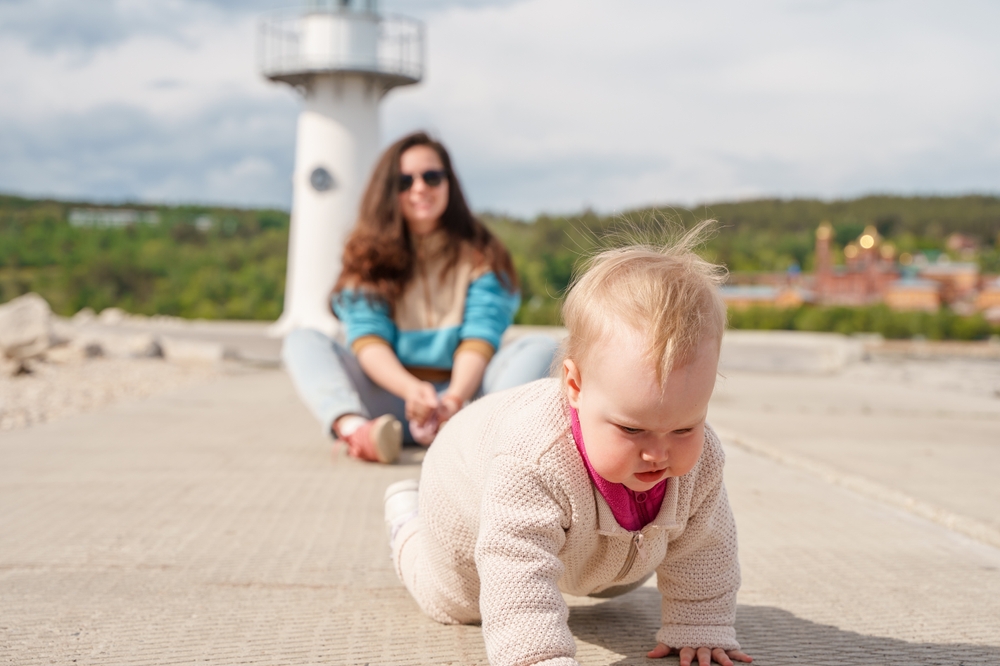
422, 204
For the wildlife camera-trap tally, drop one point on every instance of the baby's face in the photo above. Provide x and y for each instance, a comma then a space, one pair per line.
634, 432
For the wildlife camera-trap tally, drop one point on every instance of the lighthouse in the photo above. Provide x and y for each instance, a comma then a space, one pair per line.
342, 57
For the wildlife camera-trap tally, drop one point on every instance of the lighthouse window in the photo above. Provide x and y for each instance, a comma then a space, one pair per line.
320, 179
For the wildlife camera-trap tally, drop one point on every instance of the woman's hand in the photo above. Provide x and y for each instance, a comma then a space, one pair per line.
424, 433
705, 656
450, 404
421, 401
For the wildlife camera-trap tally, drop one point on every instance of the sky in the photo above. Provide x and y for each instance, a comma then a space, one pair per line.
546, 105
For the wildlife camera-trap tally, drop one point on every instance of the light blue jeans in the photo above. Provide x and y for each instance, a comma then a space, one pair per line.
331, 382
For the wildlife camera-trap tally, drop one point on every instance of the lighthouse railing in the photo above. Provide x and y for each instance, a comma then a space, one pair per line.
283, 54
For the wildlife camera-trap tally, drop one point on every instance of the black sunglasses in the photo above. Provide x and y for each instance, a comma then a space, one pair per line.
431, 178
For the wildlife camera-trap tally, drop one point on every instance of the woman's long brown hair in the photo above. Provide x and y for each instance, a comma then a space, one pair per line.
379, 257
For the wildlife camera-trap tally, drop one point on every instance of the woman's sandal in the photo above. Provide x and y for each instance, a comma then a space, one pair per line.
377, 440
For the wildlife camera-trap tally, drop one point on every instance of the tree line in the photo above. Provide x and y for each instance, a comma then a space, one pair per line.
229, 263
196, 262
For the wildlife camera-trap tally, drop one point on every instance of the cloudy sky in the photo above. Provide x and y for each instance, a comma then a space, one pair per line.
547, 105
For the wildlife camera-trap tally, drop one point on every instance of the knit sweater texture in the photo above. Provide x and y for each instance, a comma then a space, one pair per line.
510, 520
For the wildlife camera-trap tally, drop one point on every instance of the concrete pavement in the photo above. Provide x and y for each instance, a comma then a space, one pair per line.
214, 526
923, 434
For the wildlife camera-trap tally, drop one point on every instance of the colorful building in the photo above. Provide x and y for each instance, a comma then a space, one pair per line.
872, 273
743, 296
989, 296
913, 294
958, 280
869, 267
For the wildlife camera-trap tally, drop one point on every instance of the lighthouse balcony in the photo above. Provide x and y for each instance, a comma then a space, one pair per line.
295, 45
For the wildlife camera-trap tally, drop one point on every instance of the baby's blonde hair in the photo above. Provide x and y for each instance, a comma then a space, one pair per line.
664, 292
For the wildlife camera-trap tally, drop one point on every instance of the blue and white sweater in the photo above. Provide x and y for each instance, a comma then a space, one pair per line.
437, 316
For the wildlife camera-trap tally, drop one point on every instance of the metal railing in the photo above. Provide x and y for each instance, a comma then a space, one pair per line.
398, 50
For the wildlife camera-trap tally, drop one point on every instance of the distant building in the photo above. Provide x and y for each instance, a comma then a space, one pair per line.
913, 294
869, 268
743, 296
989, 297
204, 223
110, 217
872, 273
964, 245
957, 280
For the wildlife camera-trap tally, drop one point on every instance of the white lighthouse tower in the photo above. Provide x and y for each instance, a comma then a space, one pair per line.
343, 58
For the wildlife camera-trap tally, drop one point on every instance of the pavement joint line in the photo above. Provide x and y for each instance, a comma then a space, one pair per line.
955, 522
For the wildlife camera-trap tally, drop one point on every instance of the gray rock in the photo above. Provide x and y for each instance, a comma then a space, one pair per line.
66, 353
9, 367
95, 343
84, 316
61, 330
111, 316
25, 327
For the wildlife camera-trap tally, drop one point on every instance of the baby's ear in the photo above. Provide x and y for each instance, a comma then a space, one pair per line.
572, 381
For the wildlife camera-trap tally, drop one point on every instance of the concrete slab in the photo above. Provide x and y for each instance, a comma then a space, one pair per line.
793, 352
927, 429
215, 526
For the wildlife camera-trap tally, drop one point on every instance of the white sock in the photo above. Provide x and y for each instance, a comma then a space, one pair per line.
348, 424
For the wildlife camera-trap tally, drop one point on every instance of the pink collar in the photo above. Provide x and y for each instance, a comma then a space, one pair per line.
632, 510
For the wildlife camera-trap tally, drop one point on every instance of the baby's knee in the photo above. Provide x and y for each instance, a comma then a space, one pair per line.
447, 614
442, 593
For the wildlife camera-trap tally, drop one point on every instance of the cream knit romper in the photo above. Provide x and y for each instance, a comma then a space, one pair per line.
509, 520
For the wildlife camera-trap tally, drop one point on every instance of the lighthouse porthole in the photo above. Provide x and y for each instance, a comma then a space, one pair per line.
321, 180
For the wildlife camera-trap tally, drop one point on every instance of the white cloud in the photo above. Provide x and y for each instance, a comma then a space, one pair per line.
545, 104
235, 152
697, 101
174, 114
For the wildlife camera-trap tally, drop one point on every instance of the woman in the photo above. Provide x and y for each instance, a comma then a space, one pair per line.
425, 294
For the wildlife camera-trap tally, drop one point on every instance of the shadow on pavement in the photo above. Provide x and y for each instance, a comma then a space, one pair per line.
772, 636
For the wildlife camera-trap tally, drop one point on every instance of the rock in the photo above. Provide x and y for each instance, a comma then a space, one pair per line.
111, 316
65, 354
9, 367
25, 327
84, 316
183, 350
15, 367
96, 343
61, 330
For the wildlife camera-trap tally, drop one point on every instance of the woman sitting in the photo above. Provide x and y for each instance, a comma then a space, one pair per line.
425, 295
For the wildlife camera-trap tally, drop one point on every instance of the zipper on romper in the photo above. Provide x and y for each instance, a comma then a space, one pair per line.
634, 548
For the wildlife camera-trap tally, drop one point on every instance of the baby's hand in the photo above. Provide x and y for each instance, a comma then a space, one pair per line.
705, 655
424, 433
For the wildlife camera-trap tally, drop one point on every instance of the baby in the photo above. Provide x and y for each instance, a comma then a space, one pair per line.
590, 484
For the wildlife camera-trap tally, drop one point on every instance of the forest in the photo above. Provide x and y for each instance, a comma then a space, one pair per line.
194, 262
229, 263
